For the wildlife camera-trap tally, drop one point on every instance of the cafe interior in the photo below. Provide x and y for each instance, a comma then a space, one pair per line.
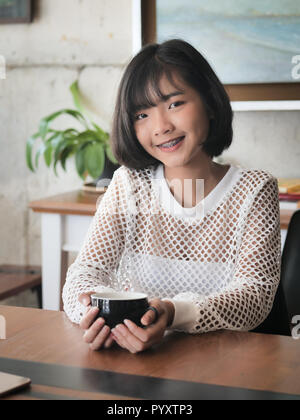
61, 67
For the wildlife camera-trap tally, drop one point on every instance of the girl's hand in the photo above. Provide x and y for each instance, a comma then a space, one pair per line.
136, 339
97, 334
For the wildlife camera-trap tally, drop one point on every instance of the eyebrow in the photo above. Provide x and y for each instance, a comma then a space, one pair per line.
170, 95
164, 98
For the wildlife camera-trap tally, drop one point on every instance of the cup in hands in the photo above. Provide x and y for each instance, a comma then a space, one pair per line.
114, 307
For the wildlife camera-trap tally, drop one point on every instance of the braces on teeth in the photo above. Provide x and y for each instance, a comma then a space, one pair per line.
171, 143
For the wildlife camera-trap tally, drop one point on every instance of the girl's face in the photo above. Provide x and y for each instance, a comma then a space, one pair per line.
181, 114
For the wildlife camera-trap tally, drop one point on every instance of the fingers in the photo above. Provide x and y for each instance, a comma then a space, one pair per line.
136, 339
88, 318
97, 334
100, 338
91, 333
109, 341
138, 332
125, 340
128, 336
85, 298
150, 316
132, 337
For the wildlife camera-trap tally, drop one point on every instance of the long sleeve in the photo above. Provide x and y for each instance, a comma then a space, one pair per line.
95, 266
249, 297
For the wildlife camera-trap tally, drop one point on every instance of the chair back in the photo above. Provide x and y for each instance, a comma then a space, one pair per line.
290, 267
277, 321
287, 299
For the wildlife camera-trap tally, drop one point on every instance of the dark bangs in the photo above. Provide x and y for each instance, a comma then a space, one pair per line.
143, 91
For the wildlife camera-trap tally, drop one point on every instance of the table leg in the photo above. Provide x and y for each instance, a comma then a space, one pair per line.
53, 260
63, 274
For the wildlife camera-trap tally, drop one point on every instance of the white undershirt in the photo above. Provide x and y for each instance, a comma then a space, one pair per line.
211, 201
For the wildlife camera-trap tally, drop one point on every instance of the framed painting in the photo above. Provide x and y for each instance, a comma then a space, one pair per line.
253, 45
15, 11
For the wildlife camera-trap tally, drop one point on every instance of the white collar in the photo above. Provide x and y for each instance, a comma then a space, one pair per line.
168, 201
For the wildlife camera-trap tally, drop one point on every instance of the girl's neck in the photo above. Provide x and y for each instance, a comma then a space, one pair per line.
208, 171
198, 170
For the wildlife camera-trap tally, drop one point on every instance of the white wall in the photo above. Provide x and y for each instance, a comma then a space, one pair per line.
267, 140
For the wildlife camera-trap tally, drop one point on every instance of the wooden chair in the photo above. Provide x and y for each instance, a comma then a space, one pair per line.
14, 279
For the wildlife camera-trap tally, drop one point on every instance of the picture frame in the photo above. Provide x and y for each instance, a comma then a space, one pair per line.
15, 11
263, 91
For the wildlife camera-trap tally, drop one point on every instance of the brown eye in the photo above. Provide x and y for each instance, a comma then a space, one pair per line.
175, 104
140, 116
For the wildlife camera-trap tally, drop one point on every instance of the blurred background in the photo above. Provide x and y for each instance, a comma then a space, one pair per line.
91, 41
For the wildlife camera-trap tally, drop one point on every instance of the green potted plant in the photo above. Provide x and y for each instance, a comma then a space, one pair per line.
90, 146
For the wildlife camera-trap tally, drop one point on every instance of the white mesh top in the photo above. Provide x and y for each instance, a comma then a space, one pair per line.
218, 262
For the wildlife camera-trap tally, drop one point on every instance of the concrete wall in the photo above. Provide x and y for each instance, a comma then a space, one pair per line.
68, 40
267, 140
90, 41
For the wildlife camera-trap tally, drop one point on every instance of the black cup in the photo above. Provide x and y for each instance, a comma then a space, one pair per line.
114, 307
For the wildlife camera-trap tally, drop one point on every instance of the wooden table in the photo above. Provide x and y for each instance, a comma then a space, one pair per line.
48, 348
65, 220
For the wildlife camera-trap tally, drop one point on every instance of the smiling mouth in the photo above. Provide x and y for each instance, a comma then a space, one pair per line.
171, 142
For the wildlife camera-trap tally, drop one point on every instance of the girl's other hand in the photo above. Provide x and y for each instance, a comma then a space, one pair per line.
97, 334
136, 339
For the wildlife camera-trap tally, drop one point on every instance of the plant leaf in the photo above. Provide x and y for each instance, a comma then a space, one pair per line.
44, 123
29, 145
78, 116
48, 155
110, 155
43, 126
76, 96
102, 135
87, 136
94, 159
80, 160
70, 133
54, 140
64, 143
40, 151
65, 154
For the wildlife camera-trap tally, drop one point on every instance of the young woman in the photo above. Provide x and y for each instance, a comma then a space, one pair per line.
201, 239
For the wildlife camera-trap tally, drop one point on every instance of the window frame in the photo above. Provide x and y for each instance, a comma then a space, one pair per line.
27, 18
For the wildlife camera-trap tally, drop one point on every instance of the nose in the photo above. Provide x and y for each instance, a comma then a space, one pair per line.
162, 124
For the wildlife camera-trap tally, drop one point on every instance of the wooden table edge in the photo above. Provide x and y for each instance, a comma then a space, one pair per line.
56, 205
84, 211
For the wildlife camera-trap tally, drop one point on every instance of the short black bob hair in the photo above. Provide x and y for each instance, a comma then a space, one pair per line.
141, 78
